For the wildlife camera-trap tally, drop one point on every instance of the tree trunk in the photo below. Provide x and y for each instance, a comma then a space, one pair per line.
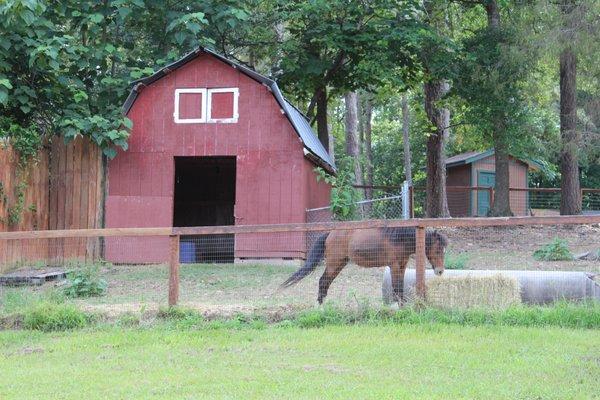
570, 201
352, 139
368, 147
321, 117
437, 202
493, 13
406, 140
500, 206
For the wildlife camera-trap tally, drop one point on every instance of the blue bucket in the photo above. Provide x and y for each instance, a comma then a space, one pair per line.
187, 252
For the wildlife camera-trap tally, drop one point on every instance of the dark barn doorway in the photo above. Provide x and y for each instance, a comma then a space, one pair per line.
205, 196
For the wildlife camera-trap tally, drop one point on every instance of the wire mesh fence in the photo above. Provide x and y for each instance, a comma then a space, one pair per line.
252, 269
382, 203
474, 201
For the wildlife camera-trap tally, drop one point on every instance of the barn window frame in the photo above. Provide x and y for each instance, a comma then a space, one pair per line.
235, 117
202, 118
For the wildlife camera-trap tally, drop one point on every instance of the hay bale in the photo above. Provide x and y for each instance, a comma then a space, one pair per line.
495, 291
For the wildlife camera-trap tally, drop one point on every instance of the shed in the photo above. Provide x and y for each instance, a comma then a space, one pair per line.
213, 143
468, 173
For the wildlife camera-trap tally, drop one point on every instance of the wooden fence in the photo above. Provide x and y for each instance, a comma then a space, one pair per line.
62, 189
175, 233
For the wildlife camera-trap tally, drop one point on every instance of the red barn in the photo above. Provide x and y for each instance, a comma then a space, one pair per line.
213, 143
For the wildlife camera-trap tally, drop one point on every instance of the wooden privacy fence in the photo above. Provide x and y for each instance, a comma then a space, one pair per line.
61, 189
175, 233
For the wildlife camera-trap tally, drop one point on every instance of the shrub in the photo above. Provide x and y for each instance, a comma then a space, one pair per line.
49, 317
85, 282
557, 250
456, 261
178, 313
129, 320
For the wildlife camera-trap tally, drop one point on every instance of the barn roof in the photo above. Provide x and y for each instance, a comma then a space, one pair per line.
313, 148
472, 156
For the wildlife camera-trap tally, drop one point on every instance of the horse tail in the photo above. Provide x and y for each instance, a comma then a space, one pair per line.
315, 256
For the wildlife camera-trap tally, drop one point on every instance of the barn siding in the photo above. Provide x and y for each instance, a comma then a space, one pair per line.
459, 200
64, 186
517, 179
269, 157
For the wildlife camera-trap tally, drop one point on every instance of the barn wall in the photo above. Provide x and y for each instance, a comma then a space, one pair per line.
270, 161
318, 193
517, 178
63, 192
459, 200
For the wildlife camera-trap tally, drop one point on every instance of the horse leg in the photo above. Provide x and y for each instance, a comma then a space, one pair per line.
398, 270
332, 270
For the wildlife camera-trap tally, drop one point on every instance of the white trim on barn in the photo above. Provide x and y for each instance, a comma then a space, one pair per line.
202, 111
234, 118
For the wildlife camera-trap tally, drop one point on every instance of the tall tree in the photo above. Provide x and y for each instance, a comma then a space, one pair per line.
335, 46
406, 139
489, 75
367, 122
437, 202
352, 135
501, 203
570, 201
435, 88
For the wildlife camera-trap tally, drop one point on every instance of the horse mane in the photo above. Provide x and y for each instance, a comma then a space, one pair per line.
407, 236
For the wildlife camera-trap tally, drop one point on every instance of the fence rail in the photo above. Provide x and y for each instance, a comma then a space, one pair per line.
307, 227
420, 224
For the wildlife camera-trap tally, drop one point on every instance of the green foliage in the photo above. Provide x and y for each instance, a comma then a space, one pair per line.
15, 211
65, 68
489, 77
343, 196
178, 313
129, 320
557, 250
49, 317
456, 261
85, 282
350, 45
25, 140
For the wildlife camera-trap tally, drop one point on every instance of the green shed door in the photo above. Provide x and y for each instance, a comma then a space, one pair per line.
484, 179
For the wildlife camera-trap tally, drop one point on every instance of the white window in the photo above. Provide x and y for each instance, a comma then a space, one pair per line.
201, 105
222, 105
190, 106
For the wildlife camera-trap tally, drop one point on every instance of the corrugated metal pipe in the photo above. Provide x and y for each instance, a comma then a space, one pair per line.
537, 287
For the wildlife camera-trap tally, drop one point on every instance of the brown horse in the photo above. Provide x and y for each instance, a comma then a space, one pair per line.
369, 248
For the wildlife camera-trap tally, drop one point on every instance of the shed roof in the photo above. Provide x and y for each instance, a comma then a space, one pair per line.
472, 156
314, 149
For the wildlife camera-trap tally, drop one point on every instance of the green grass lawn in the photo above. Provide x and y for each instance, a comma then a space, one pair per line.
426, 361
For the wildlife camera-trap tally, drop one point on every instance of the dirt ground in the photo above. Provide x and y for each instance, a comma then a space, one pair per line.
513, 247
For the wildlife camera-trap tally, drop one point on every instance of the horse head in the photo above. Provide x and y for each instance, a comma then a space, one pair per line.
435, 248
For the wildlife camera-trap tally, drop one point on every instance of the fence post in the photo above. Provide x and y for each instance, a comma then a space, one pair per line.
491, 190
412, 201
405, 200
174, 271
420, 262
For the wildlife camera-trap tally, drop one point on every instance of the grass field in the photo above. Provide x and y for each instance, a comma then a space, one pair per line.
428, 361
